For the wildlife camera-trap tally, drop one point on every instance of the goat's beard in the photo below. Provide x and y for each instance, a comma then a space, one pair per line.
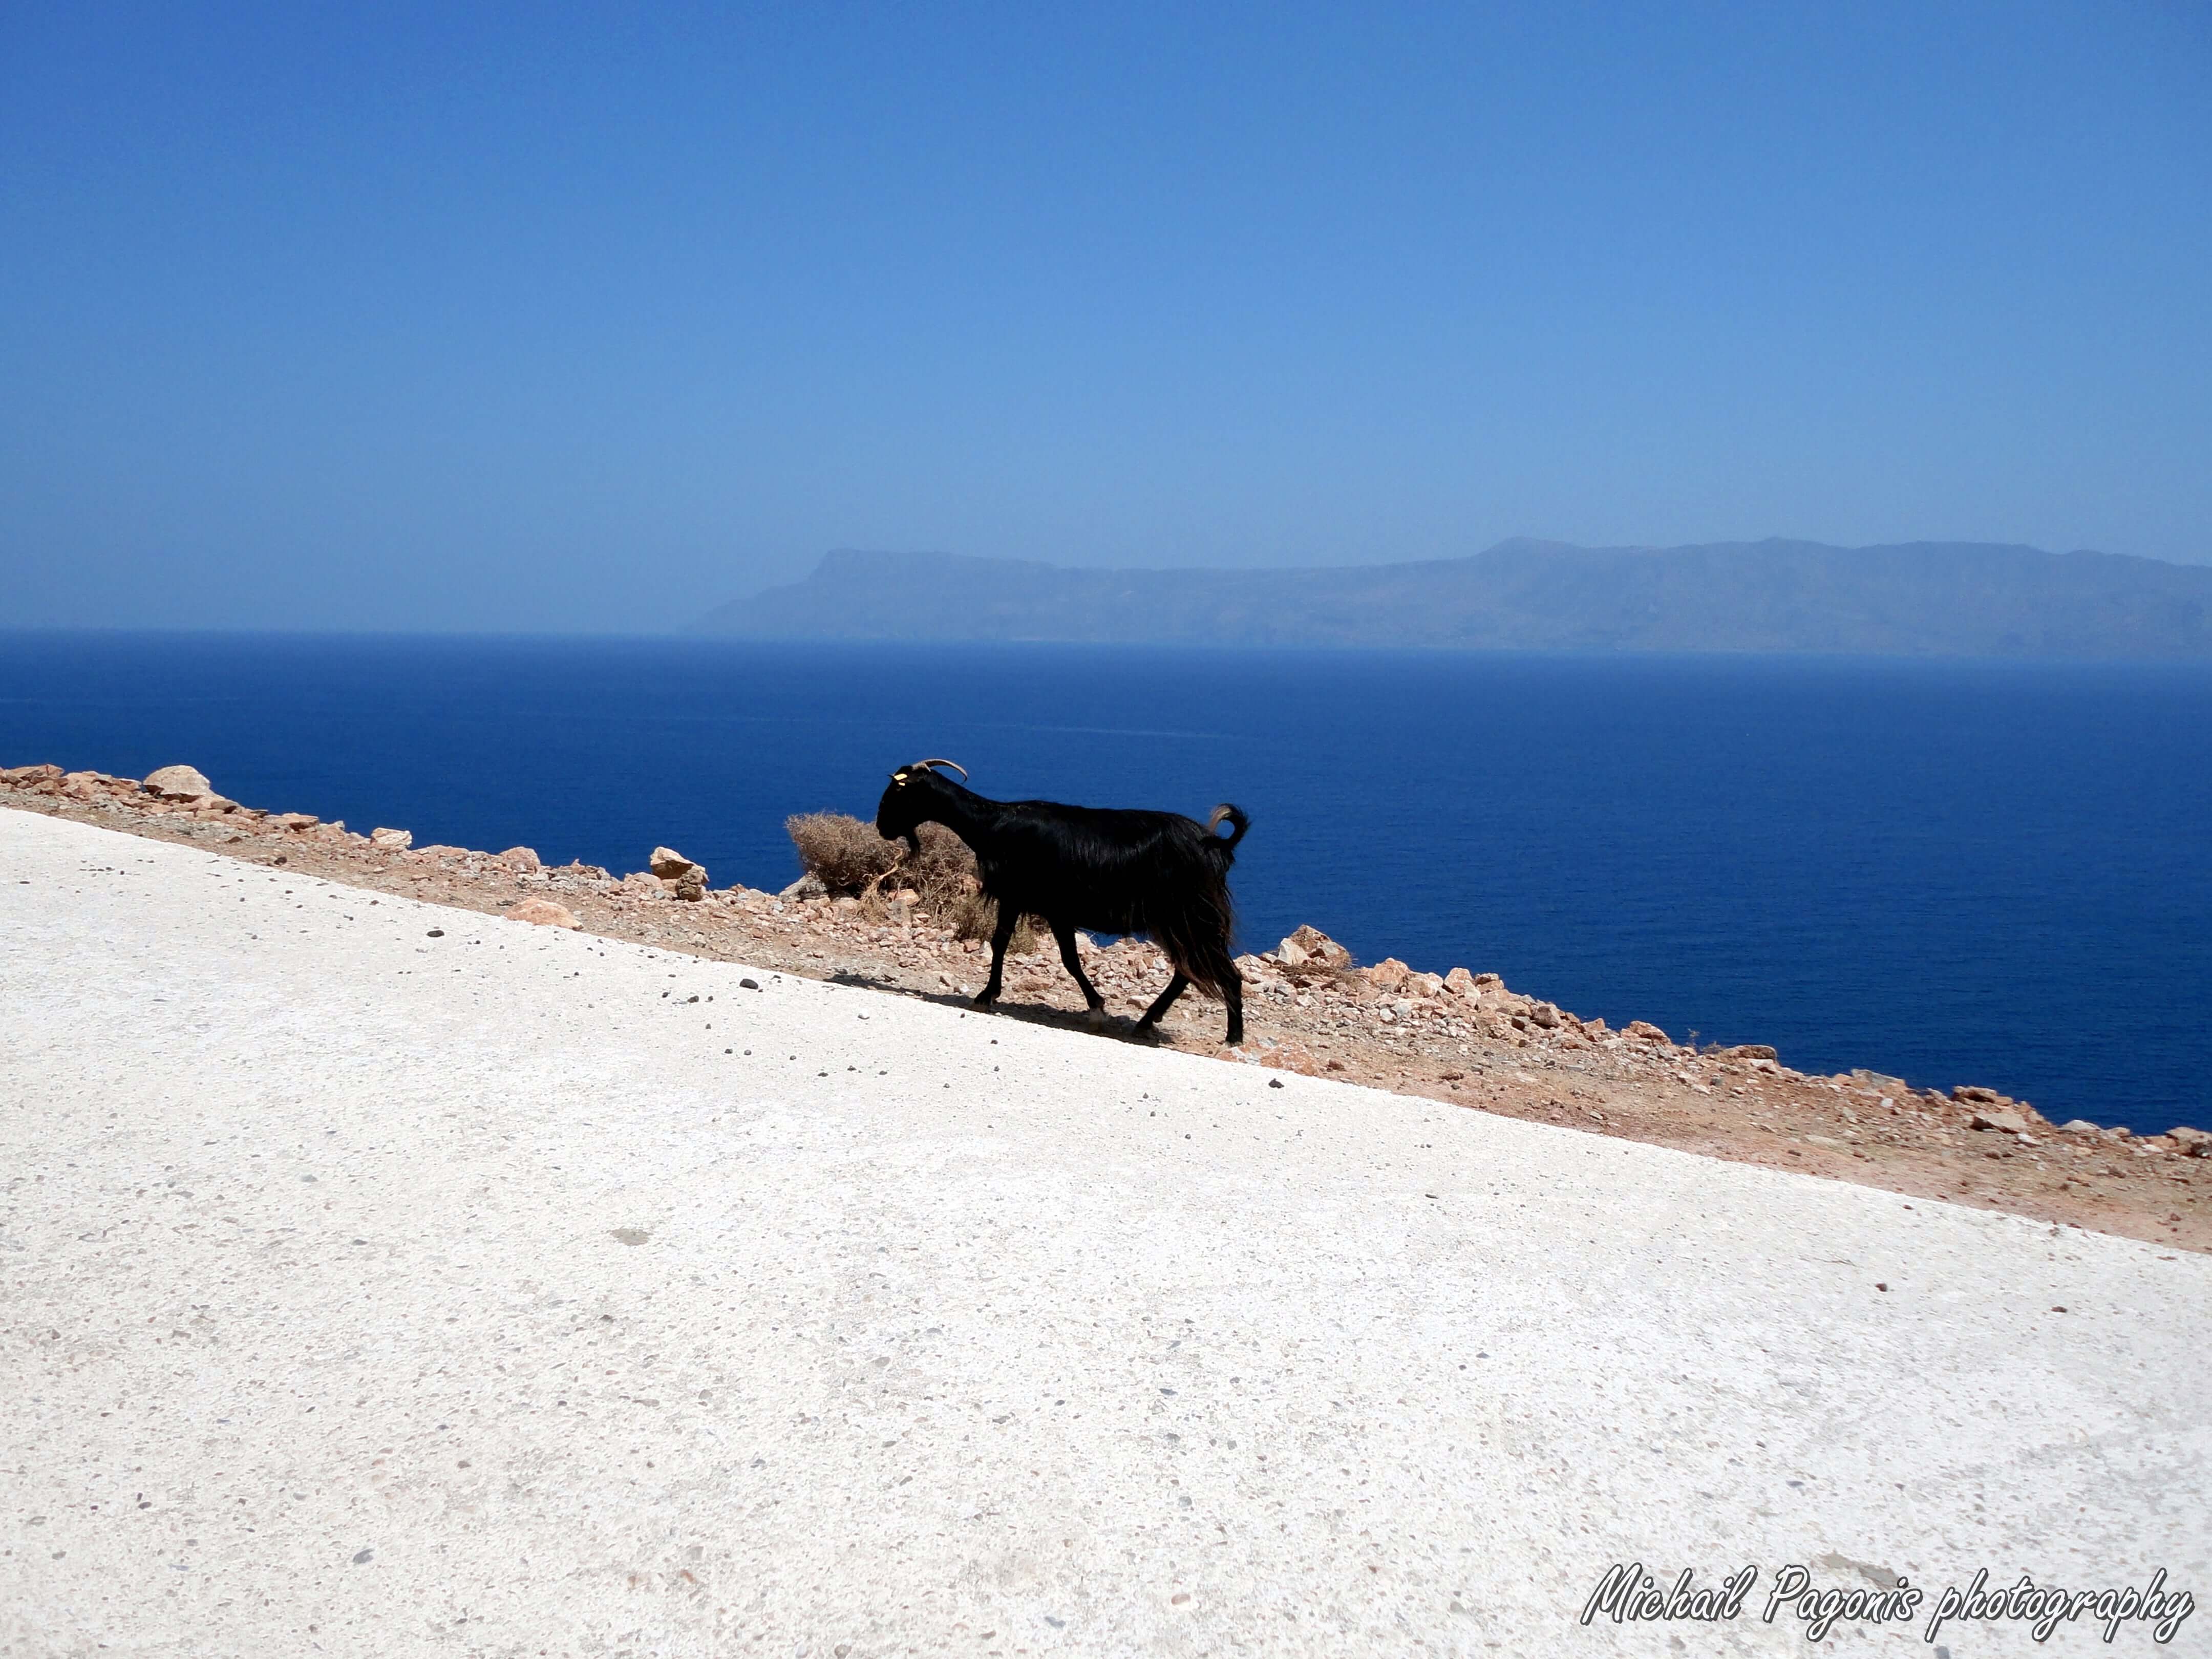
914, 846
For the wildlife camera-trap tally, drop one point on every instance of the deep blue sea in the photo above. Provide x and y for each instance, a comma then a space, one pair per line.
1956, 872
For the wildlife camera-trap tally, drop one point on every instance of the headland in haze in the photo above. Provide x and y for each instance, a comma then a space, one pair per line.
1915, 598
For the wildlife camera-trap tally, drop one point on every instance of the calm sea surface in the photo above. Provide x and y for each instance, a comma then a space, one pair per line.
1956, 872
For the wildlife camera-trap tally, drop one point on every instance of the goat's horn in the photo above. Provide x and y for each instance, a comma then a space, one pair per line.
955, 765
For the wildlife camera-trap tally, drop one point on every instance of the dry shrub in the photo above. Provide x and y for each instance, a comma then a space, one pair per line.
974, 916
945, 873
944, 876
844, 854
850, 858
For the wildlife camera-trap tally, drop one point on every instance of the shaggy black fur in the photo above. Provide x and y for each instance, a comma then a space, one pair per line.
1110, 872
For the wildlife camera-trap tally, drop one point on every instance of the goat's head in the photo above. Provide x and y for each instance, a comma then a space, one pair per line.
911, 800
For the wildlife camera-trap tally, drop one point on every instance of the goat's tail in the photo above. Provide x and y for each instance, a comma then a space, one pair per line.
1238, 823
1195, 927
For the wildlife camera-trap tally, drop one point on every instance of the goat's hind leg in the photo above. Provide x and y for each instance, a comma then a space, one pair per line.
1162, 1003
1066, 934
1220, 971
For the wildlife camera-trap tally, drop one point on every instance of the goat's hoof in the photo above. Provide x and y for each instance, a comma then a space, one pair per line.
1097, 1019
982, 1002
1145, 1033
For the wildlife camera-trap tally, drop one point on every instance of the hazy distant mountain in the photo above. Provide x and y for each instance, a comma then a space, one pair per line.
1928, 599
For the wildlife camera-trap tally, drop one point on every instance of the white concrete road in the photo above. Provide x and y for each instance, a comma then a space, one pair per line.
511, 1293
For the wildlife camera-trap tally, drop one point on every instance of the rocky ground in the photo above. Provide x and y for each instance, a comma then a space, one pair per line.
1461, 1037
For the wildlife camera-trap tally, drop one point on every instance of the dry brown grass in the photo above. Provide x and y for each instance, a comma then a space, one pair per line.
844, 854
847, 856
974, 916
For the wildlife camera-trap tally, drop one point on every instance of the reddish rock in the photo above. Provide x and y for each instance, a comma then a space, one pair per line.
178, 783
544, 912
1388, 975
520, 857
1646, 1031
1290, 1057
394, 841
1316, 949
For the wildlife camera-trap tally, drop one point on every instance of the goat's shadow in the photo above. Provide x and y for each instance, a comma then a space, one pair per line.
1122, 1027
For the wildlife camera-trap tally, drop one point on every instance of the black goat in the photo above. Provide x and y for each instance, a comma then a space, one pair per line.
1156, 874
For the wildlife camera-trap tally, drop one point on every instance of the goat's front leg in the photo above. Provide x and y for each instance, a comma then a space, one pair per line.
1001, 936
1066, 934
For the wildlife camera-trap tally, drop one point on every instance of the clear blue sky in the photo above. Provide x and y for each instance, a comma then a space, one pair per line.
580, 318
